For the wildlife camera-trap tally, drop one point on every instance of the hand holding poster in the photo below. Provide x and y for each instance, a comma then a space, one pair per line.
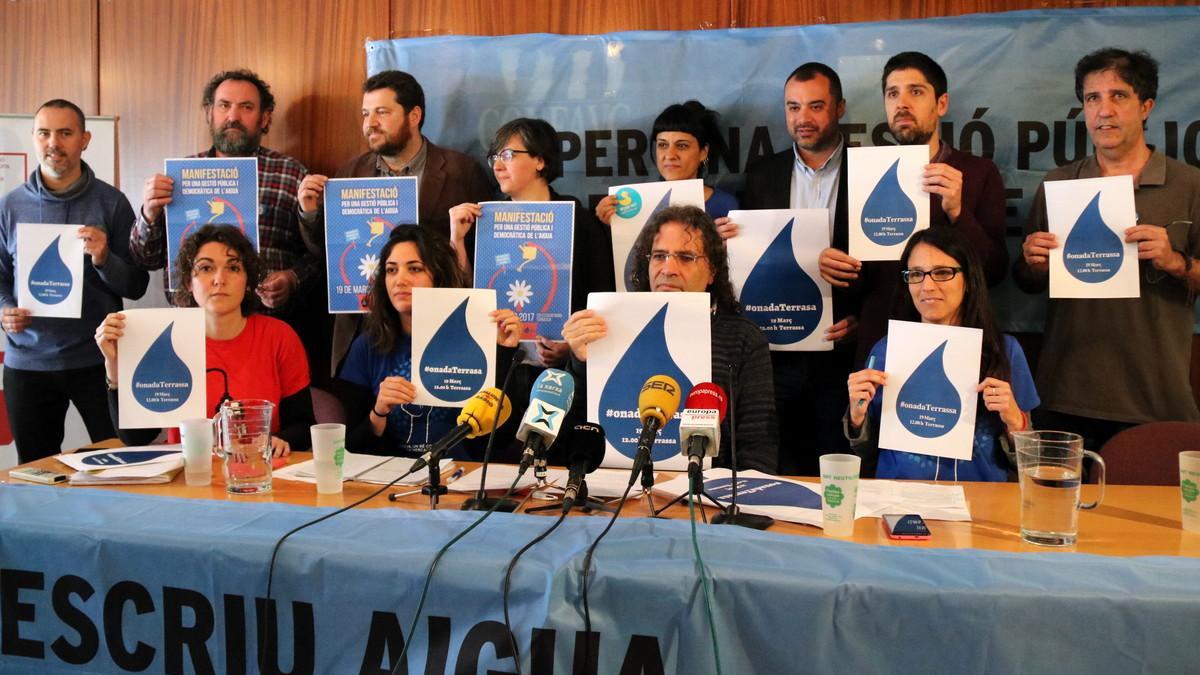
161, 367
50, 270
524, 251
887, 203
929, 401
774, 270
1089, 216
648, 334
635, 205
211, 190
360, 214
453, 344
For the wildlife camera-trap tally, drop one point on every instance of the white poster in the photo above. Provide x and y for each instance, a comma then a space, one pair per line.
887, 202
453, 344
929, 401
161, 368
50, 270
648, 334
635, 204
1089, 216
774, 269
14, 170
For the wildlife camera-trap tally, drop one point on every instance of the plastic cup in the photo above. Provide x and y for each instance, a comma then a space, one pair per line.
329, 452
1189, 489
839, 492
196, 436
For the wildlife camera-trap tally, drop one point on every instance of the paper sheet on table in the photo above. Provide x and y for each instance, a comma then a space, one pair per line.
758, 493
499, 477
932, 502
93, 460
161, 470
363, 469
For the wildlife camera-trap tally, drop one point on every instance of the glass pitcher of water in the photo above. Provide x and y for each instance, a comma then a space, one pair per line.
244, 441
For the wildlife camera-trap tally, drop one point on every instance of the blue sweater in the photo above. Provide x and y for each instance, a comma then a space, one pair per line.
52, 343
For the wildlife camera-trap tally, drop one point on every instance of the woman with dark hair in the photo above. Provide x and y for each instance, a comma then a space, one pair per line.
945, 285
248, 355
684, 136
526, 157
680, 250
375, 380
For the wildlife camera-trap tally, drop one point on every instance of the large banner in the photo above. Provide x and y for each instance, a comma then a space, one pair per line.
1011, 80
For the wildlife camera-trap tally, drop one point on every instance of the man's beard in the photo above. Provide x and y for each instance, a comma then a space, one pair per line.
913, 135
392, 146
237, 146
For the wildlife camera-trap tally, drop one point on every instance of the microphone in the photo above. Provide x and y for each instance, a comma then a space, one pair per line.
586, 452
657, 403
700, 423
484, 411
549, 401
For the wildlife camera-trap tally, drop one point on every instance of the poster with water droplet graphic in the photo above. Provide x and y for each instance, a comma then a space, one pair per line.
635, 204
453, 344
886, 201
360, 214
524, 251
1089, 216
648, 334
161, 367
774, 270
929, 401
49, 264
211, 191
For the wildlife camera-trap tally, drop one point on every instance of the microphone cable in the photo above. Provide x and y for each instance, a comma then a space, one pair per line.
705, 581
433, 568
587, 564
512, 564
517, 360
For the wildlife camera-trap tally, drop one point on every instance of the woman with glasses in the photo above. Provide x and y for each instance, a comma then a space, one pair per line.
684, 135
248, 355
525, 157
375, 380
944, 284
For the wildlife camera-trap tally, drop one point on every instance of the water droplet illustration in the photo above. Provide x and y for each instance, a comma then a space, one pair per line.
162, 382
453, 366
889, 216
778, 278
631, 260
50, 280
647, 356
1093, 252
763, 492
928, 404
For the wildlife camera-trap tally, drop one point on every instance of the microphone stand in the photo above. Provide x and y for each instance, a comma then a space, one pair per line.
583, 502
730, 515
697, 480
647, 483
481, 502
434, 488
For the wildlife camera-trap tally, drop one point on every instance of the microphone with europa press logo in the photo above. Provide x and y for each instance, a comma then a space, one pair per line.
487, 410
657, 403
700, 424
549, 401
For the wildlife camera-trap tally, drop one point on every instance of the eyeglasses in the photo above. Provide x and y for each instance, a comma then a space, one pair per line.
683, 257
937, 274
506, 155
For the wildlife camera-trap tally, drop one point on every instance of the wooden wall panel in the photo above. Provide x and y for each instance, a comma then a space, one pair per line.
754, 13
423, 18
49, 52
156, 58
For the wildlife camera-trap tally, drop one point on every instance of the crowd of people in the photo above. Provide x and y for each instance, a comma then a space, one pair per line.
1105, 365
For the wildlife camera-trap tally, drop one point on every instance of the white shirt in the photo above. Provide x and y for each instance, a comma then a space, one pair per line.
817, 188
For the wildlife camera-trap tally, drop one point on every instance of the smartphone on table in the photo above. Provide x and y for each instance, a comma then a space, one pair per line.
905, 526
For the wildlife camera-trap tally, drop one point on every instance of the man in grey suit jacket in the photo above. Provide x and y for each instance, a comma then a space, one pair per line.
810, 387
393, 110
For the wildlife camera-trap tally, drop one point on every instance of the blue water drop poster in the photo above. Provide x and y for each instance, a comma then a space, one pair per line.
161, 367
524, 251
453, 344
360, 214
1089, 217
930, 400
648, 334
49, 270
211, 191
773, 264
635, 204
886, 200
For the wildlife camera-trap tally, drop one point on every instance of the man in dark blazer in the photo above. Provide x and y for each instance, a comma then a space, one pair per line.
810, 387
393, 112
